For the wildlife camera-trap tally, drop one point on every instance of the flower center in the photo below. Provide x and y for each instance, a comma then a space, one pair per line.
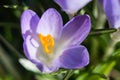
47, 43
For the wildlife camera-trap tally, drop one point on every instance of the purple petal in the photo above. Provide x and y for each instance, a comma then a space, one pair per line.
50, 23
74, 57
29, 21
72, 6
112, 10
49, 68
30, 48
76, 30
39, 65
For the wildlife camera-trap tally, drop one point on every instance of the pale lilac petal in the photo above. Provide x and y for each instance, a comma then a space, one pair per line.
31, 47
29, 21
74, 57
49, 68
72, 6
112, 10
76, 30
50, 23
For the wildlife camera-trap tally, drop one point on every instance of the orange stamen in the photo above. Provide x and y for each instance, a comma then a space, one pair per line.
47, 43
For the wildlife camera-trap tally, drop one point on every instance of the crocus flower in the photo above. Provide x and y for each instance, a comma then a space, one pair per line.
51, 46
72, 6
112, 11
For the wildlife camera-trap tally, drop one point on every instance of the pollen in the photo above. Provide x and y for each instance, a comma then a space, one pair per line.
47, 43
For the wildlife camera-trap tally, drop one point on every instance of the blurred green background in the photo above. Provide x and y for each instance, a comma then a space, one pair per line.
11, 43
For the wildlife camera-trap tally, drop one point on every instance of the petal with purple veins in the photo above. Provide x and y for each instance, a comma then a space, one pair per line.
29, 21
50, 23
76, 30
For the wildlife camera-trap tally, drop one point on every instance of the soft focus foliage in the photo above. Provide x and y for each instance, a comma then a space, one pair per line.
104, 52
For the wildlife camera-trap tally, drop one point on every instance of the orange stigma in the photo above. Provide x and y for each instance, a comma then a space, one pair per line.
47, 43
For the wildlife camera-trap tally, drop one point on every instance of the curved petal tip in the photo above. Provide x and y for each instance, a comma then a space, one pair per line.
74, 57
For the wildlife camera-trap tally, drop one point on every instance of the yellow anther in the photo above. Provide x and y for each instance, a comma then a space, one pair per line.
47, 43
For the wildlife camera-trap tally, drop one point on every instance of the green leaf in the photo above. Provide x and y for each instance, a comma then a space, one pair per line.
102, 31
44, 77
116, 54
10, 6
103, 69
